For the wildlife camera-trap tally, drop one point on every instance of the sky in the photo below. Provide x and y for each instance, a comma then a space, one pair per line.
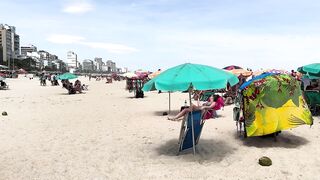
153, 34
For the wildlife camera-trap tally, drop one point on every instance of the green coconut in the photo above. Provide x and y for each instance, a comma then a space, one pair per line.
265, 161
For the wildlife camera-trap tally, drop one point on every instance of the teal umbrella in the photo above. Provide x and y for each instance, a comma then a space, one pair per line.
310, 69
4, 67
191, 76
184, 76
67, 76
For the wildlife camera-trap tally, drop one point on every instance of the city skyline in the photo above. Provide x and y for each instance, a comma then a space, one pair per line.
161, 34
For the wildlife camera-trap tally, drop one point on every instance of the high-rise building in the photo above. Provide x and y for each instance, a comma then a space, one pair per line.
98, 63
28, 49
10, 44
87, 65
72, 61
111, 66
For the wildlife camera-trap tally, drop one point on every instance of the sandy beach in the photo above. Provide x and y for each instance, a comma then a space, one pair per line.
105, 133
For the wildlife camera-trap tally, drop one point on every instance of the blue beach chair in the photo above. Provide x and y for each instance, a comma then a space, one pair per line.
185, 139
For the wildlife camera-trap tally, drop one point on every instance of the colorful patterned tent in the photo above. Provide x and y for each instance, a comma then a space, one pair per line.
271, 103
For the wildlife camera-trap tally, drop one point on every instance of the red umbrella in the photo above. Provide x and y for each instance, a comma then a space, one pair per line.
232, 67
22, 71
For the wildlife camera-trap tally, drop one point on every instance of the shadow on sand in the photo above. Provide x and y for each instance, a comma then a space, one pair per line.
160, 113
133, 97
206, 150
66, 93
284, 140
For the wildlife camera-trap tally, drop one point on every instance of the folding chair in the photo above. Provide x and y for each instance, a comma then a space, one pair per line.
185, 138
205, 96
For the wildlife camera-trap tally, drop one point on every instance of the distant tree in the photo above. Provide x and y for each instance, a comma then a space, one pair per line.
27, 64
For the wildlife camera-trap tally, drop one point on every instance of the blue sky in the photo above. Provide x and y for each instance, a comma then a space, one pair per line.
152, 34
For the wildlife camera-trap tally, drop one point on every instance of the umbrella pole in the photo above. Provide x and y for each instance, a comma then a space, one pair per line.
169, 102
193, 143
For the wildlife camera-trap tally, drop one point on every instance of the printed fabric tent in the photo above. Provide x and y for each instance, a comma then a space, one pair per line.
271, 103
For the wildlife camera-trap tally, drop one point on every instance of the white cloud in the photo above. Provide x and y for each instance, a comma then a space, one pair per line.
64, 39
253, 50
110, 47
78, 40
78, 7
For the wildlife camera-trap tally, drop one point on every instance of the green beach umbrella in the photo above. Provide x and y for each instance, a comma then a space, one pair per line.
4, 67
310, 69
67, 76
191, 76
185, 76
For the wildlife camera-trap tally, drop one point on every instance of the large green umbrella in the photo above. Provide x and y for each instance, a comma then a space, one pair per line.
4, 67
310, 69
184, 76
191, 76
67, 76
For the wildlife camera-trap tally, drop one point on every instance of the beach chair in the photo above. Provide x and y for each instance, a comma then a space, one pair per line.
185, 138
205, 96
3, 85
313, 100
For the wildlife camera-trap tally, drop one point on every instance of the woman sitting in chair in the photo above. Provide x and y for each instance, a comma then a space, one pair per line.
213, 104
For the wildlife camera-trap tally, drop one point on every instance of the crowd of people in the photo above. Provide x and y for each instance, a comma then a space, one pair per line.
53, 78
74, 88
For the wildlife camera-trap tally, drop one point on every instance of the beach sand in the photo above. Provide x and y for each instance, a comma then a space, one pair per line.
105, 133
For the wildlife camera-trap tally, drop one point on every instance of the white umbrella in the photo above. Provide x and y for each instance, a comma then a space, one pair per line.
4, 67
129, 75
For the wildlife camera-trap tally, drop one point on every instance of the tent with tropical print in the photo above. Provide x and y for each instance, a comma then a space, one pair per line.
271, 103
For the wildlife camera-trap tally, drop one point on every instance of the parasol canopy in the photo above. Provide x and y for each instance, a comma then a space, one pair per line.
312, 70
231, 67
186, 76
66, 76
129, 75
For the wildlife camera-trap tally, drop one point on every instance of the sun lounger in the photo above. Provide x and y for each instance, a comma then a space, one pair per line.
185, 139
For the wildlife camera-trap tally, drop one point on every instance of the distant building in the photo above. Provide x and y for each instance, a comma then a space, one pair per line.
111, 66
79, 66
87, 65
9, 43
72, 61
35, 56
98, 63
28, 49
125, 69
59, 65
